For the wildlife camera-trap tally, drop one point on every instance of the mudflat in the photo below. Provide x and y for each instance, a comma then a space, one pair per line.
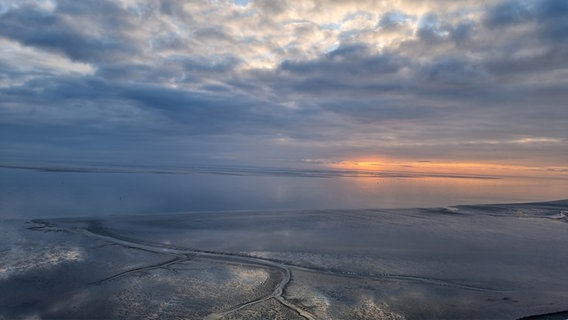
463, 262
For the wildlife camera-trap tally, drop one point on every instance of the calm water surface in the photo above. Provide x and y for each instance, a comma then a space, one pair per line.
26, 193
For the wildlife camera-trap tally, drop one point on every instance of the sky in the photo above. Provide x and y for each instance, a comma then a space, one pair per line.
449, 86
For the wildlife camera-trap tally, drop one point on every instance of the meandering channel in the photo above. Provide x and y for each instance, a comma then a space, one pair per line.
95, 229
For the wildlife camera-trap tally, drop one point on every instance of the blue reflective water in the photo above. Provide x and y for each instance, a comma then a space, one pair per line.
31, 193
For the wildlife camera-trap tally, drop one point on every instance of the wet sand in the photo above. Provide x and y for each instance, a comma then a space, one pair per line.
465, 262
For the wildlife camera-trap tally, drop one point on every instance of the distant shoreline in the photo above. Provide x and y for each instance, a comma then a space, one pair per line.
243, 171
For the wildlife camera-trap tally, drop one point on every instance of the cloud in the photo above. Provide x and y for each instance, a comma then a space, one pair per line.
549, 17
509, 13
82, 33
311, 80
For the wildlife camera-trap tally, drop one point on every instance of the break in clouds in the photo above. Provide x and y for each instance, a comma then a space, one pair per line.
277, 82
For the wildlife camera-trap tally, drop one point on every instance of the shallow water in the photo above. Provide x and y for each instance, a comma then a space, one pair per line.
65, 192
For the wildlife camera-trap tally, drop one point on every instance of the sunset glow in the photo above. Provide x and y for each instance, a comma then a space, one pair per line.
450, 168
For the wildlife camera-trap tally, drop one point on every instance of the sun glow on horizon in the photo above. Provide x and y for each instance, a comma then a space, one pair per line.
446, 168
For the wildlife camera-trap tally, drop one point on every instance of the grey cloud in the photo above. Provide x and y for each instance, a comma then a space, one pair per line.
509, 13
543, 42
548, 60
73, 29
271, 7
339, 74
356, 70
171, 7
549, 15
553, 19
462, 31
347, 61
213, 34
380, 110
98, 121
189, 112
175, 69
214, 64
349, 51
453, 71
126, 72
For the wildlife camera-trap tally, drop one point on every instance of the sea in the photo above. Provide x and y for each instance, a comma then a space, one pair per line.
48, 190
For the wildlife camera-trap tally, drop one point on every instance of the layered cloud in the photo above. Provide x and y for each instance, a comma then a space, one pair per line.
274, 82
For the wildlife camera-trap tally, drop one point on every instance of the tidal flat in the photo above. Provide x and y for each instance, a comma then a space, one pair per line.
462, 262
